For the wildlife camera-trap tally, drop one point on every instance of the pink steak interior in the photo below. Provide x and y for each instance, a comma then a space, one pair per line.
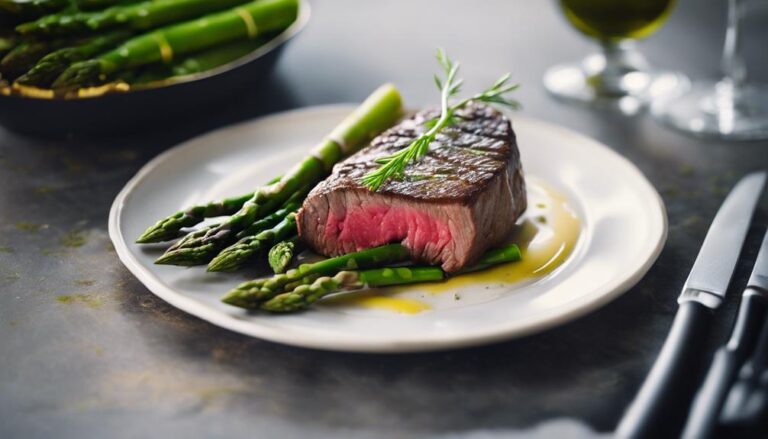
374, 225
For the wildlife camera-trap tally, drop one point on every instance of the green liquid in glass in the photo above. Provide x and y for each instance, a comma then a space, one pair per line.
617, 19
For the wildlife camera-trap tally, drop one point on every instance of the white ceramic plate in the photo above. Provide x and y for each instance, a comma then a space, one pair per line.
623, 230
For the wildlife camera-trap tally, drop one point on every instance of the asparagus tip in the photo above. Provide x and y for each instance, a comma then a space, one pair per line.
233, 298
280, 256
25, 28
221, 264
184, 257
166, 259
80, 74
150, 236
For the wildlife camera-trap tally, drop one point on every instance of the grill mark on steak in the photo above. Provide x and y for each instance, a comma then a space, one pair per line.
461, 198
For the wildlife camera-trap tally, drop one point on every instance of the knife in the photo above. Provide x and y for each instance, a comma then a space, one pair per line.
729, 358
660, 406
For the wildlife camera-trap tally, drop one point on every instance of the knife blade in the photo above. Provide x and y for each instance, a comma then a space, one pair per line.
713, 269
660, 406
759, 277
729, 358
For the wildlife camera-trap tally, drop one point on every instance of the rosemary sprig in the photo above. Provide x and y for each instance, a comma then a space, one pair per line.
394, 165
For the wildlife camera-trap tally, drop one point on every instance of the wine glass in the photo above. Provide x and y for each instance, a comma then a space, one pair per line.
618, 77
730, 109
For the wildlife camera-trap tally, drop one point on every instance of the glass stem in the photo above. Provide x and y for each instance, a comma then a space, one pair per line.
618, 60
734, 68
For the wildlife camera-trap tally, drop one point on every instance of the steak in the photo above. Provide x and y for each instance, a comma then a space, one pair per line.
460, 199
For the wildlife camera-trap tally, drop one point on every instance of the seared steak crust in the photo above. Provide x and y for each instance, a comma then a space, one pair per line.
461, 198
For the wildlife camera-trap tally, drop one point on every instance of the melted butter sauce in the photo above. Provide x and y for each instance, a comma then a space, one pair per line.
546, 233
379, 299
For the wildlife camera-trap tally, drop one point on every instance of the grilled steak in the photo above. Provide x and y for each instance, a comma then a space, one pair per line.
460, 199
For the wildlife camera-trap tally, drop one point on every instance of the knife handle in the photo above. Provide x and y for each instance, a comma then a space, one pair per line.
660, 406
746, 406
725, 366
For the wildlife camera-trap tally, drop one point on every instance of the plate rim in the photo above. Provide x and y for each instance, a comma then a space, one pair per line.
499, 333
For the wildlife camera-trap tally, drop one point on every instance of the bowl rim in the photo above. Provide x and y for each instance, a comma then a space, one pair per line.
289, 33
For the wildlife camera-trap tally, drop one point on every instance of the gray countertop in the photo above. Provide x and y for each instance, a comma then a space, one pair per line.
87, 351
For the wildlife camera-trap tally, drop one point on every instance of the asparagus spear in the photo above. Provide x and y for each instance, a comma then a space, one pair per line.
496, 256
168, 228
89, 5
250, 242
50, 66
7, 43
199, 62
22, 57
250, 294
292, 205
235, 256
281, 254
247, 21
31, 8
378, 112
139, 16
268, 221
305, 295
189, 237
196, 249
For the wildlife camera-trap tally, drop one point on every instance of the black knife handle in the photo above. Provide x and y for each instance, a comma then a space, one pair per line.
725, 366
746, 406
661, 405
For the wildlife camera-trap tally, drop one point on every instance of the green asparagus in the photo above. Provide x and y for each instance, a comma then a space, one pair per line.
250, 294
196, 249
496, 256
50, 66
168, 228
305, 295
378, 112
281, 254
191, 236
235, 256
7, 43
247, 21
32, 8
25, 55
198, 62
140, 16
188, 248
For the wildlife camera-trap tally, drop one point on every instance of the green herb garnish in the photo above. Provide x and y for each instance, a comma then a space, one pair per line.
394, 165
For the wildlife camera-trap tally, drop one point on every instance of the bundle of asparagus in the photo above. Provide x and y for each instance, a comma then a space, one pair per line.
139, 16
301, 287
83, 43
262, 219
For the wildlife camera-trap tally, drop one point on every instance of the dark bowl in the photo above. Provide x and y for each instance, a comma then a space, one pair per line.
152, 105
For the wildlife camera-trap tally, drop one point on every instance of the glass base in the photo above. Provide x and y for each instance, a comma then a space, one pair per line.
718, 110
628, 92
